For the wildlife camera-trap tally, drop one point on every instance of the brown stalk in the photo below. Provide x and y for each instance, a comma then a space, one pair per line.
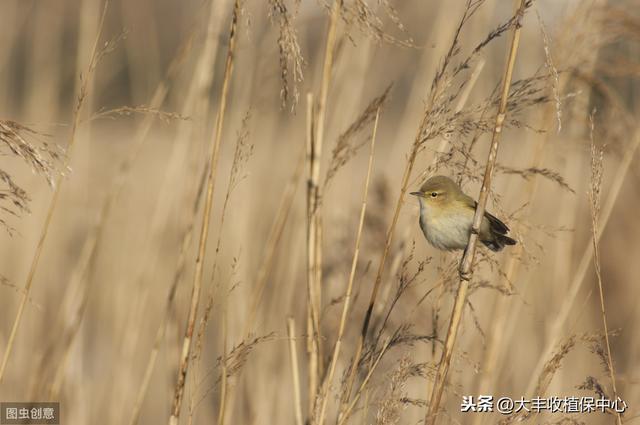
179, 274
195, 104
555, 332
500, 308
404, 238
312, 306
144, 386
92, 241
467, 259
381, 266
275, 233
224, 377
242, 153
502, 312
323, 396
314, 230
473, 78
437, 87
350, 406
597, 169
291, 332
197, 280
82, 95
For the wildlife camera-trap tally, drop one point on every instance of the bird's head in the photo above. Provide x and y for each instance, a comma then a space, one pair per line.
439, 191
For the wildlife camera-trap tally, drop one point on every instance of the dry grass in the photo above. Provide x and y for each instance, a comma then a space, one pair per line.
466, 263
300, 290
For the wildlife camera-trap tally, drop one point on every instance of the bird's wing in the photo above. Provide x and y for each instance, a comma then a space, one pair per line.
496, 224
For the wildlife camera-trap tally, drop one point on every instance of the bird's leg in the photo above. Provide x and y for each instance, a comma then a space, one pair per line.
464, 274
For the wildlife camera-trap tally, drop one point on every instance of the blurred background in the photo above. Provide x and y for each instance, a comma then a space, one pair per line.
101, 331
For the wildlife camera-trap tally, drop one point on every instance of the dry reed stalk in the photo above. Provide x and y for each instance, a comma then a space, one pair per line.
405, 237
224, 377
365, 408
92, 240
374, 364
444, 143
323, 396
155, 350
314, 205
275, 233
313, 321
425, 131
242, 153
177, 279
193, 104
69, 338
498, 333
597, 170
469, 253
501, 306
96, 54
213, 165
367, 319
196, 103
295, 371
555, 332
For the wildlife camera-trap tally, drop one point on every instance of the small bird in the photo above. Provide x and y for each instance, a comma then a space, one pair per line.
446, 217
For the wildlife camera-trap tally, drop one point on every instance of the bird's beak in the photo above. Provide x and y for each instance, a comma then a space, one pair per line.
416, 194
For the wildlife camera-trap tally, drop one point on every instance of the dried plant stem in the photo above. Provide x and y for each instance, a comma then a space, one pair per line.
467, 259
295, 374
367, 318
326, 68
555, 331
153, 357
177, 279
273, 239
345, 416
594, 198
223, 372
314, 230
323, 396
462, 100
92, 241
436, 90
124, 168
195, 104
197, 280
501, 306
186, 242
502, 311
313, 321
82, 95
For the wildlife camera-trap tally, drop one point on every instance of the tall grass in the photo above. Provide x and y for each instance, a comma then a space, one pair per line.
306, 293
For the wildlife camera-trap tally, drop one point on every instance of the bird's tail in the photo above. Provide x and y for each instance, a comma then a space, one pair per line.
498, 242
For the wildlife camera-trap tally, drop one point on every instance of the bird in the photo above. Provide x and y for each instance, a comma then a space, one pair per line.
446, 217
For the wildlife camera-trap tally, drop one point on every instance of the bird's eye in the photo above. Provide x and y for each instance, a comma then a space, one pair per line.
434, 194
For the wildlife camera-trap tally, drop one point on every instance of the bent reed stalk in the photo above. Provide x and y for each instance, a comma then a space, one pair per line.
469, 253
204, 232
81, 97
348, 294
